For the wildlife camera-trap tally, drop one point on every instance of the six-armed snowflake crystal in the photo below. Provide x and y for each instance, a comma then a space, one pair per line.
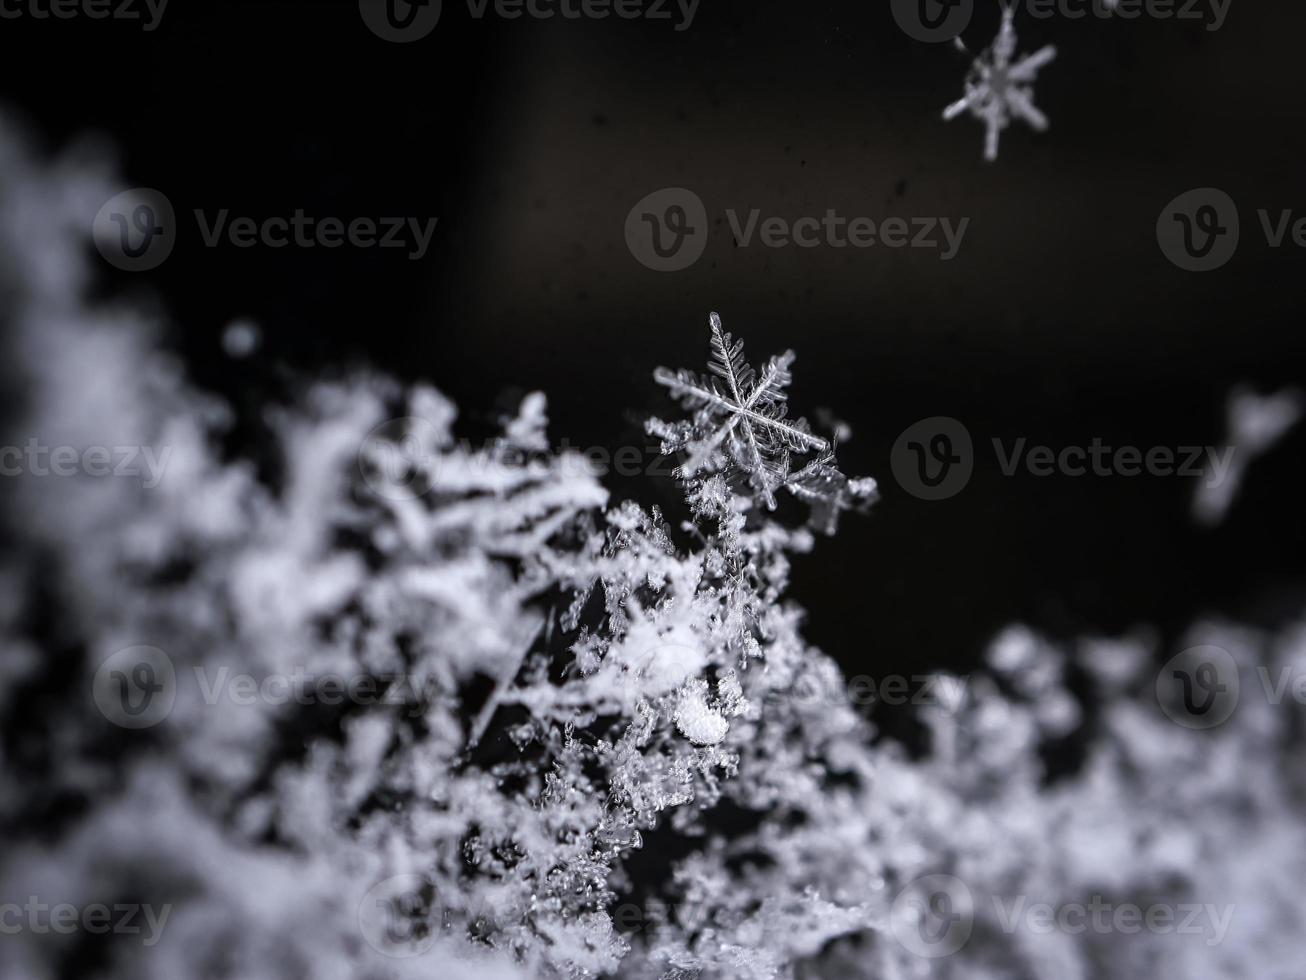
997, 90
739, 424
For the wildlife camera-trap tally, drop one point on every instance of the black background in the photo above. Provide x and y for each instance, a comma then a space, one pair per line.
1059, 320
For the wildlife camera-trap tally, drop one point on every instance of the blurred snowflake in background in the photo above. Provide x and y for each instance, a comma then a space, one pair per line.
998, 89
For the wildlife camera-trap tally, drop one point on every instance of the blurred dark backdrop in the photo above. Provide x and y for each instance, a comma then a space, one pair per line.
1059, 320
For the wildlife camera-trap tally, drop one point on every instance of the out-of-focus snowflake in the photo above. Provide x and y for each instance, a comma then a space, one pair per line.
740, 423
998, 89
1255, 423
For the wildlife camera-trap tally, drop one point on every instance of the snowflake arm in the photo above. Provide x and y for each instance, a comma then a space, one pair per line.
1027, 69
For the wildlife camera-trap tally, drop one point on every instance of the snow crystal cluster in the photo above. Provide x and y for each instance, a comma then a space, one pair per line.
579, 738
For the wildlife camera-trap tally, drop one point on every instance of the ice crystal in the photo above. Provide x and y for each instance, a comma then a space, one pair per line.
740, 424
1253, 425
998, 90
697, 720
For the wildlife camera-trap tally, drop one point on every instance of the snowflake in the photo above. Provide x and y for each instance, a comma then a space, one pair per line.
1254, 424
740, 422
997, 90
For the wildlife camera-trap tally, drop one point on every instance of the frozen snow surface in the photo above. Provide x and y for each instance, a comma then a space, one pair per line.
576, 738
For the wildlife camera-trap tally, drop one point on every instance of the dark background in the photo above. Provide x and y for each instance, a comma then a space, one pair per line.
1059, 320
